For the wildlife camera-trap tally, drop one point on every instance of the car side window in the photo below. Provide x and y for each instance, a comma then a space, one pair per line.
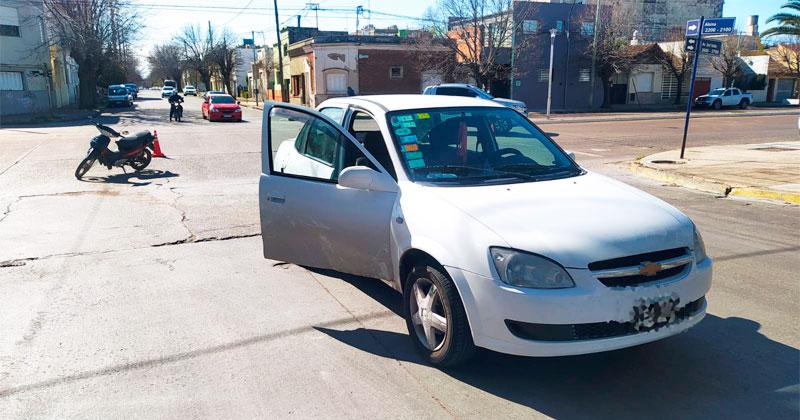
366, 130
728, 92
736, 92
455, 91
336, 114
309, 147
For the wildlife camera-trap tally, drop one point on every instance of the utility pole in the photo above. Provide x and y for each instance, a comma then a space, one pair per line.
359, 11
513, 56
284, 93
255, 59
594, 55
553, 32
315, 8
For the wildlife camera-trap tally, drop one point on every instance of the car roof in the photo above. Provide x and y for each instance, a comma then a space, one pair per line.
390, 103
219, 94
454, 85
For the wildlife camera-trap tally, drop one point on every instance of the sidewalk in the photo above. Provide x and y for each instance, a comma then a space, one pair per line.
540, 118
761, 171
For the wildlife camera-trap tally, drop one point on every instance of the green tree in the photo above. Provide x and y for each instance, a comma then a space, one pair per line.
788, 23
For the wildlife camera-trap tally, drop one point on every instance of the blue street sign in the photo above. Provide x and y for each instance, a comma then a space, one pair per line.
693, 27
719, 26
710, 46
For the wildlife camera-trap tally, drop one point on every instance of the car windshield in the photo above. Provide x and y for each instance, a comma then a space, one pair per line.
222, 100
717, 92
117, 91
475, 145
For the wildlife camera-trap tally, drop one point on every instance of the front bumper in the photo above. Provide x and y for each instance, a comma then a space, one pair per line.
490, 304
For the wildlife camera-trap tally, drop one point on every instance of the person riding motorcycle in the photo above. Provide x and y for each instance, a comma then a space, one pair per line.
174, 100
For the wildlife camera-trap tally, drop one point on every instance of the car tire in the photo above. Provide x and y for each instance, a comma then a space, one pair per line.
744, 104
440, 348
717, 105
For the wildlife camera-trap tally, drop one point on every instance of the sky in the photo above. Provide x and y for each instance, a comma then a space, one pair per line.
163, 19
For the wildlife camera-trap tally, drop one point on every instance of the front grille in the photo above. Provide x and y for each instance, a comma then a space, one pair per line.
637, 259
629, 281
592, 331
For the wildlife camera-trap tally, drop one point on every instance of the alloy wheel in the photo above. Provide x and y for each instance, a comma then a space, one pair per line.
427, 314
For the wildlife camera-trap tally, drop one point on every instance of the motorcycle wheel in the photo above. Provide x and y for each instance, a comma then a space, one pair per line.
140, 162
84, 167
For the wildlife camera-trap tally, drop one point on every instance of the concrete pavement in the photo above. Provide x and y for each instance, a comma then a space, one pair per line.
146, 296
762, 171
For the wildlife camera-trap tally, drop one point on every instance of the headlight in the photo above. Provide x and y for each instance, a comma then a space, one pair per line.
699, 247
527, 270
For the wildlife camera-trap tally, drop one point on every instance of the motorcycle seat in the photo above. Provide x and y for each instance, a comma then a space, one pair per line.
132, 141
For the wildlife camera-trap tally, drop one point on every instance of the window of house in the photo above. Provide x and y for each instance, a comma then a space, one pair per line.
585, 75
9, 21
643, 82
530, 26
336, 82
560, 25
587, 28
297, 85
544, 75
11, 80
395, 72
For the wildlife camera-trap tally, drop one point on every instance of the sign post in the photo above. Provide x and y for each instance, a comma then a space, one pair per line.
695, 29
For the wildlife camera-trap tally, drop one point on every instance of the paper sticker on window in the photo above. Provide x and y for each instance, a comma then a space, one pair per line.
408, 124
416, 163
405, 118
411, 147
408, 139
402, 131
423, 116
395, 122
413, 155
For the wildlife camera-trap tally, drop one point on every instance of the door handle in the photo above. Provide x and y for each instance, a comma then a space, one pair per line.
276, 199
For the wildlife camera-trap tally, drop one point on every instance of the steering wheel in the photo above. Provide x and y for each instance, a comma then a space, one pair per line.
499, 154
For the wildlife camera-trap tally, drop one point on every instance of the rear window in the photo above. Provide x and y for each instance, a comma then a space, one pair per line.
117, 91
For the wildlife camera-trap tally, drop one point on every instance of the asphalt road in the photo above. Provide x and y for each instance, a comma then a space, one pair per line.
146, 296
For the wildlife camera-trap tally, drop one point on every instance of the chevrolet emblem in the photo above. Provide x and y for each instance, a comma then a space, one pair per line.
649, 269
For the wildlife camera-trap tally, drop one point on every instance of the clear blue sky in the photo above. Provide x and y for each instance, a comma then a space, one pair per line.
165, 17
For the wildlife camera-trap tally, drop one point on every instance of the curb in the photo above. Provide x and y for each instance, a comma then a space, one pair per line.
717, 188
541, 121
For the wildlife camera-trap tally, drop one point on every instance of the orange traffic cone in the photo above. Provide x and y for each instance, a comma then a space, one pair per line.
157, 147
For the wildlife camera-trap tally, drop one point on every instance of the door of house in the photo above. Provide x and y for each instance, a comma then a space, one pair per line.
619, 92
702, 85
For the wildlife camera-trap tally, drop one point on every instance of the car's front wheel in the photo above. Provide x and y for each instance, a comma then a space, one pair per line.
435, 316
717, 105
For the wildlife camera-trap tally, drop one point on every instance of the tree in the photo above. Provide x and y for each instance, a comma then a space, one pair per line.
478, 32
94, 31
611, 48
788, 55
788, 23
165, 63
728, 63
676, 60
223, 57
198, 47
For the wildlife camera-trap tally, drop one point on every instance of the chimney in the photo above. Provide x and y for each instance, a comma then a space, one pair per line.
752, 26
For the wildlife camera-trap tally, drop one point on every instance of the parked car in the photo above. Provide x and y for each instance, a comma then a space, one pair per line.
133, 89
470, 91
119, 95
167, 91
495, 240
221, 108
718, 98
189, 90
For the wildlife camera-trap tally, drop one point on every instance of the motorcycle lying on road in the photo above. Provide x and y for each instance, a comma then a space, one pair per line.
133, 150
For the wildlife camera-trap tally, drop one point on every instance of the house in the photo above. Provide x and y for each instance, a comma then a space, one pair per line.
34, 75
243, 57
291, 35
784, 73
654, 19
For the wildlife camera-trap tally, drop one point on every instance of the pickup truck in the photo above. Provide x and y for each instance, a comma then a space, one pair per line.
718, 98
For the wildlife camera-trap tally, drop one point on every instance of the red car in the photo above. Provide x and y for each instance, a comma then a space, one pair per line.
221, 108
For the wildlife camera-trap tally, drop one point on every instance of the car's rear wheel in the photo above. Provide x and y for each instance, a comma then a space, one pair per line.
744, 104
435, 316
717, 105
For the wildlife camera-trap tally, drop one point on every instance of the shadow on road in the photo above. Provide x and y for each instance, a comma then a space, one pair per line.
722, 368
128, 178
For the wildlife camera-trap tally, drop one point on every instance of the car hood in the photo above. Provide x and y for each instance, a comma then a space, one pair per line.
574, 221
509, 102
708, 96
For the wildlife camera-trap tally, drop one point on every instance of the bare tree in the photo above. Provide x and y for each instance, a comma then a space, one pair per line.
728, 63
92, 30
788, 54
198, 46
223, 57
165, 62
612, 52
676, 60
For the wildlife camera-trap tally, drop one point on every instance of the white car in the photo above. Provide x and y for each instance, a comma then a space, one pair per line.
189, 90
167, 91
495, 238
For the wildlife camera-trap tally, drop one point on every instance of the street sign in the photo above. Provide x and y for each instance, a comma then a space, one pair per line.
707, 46
719, 26
711, 47
693, 27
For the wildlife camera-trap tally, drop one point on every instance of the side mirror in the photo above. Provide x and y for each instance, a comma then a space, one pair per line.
238, 103
364, 178
571, 154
